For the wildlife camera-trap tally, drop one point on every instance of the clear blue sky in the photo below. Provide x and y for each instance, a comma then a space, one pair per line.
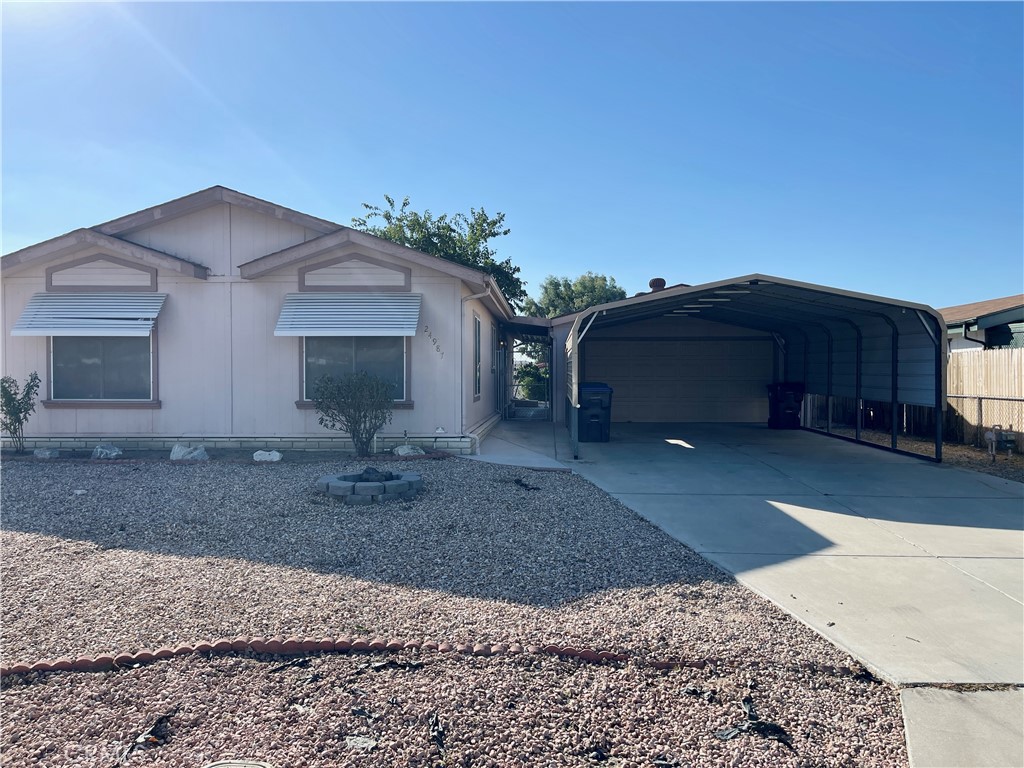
876, 147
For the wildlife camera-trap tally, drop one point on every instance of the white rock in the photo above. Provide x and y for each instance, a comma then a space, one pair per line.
267, 456
408, 450
186, 453
46, 453
106, 451
360, 742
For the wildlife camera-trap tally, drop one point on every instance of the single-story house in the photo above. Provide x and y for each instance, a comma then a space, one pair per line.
991, 324
208, 319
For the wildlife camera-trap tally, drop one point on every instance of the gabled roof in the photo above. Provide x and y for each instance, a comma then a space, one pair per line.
965, 313
344, 235
331, 235
209, 197
64, 244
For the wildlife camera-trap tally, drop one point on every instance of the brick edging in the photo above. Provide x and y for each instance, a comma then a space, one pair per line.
296, 646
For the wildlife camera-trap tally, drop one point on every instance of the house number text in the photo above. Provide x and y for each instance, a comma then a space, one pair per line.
433, 340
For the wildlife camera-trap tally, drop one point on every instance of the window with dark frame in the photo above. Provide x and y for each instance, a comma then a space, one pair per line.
337, 356
101, 368
476, 356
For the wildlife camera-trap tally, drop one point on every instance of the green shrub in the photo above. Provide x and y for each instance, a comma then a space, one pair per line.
16, 406
358, 404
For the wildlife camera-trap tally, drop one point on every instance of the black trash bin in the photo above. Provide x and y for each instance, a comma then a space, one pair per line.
595, 412
784, 401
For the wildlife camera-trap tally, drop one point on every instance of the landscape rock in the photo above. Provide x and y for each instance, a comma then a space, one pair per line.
106, 451
188, 453
267, 456
408, 450
46, 453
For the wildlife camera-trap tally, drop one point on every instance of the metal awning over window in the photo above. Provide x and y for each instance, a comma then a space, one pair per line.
349, 314
90, 314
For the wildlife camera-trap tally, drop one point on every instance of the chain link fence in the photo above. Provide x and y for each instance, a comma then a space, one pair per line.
964, 422
968, 417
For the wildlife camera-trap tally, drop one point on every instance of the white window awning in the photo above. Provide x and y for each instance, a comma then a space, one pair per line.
90, 314
349, 314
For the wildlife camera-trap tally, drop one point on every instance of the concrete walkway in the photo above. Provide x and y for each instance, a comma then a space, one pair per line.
915, 568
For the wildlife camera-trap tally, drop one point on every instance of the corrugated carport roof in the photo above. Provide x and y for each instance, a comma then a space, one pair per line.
764, 302
826, 325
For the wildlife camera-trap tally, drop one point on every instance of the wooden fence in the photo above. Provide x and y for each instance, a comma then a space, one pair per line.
986, 373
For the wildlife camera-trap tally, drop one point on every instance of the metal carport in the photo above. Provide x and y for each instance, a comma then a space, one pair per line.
867, 363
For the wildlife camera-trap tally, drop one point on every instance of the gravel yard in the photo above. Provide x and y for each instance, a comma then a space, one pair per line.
117, 557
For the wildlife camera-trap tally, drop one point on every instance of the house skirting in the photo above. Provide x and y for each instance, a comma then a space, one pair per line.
456, 444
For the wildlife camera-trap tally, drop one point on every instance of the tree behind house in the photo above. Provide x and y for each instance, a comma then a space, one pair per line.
16, 405
358, 404
458, 238
560, 295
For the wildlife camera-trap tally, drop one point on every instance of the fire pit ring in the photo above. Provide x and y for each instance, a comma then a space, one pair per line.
371, 486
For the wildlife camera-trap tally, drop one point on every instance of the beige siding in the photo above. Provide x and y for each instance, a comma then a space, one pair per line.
100, 273
222, 372
254, 234
193, 337
265, 368
354, 274
23, 354
203, 237
436, 355
477, 410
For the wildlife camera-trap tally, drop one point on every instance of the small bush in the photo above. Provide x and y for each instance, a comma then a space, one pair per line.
358, 404
16, 406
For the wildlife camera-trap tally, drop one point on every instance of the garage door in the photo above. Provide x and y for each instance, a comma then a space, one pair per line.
680, 380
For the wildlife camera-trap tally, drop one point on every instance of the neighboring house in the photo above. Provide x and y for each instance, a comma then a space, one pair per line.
209, 318
992, 324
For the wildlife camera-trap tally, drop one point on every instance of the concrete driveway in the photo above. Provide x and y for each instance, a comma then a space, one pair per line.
915, 568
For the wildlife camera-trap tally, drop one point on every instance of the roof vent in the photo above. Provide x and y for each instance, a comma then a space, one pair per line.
657, 284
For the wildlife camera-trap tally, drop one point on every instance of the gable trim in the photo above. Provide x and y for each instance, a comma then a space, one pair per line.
67, 244
151, 272
205, 199
404, 271
274, 261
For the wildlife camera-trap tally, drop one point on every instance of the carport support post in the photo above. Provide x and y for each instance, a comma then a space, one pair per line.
860, 402
828, 388
940, 389
895, 397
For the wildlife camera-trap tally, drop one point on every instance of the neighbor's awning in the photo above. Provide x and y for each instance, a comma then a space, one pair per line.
349, 314
90, 314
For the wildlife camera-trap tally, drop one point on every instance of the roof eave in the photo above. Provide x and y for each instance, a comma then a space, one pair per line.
310, 249
63, 245
204, 199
